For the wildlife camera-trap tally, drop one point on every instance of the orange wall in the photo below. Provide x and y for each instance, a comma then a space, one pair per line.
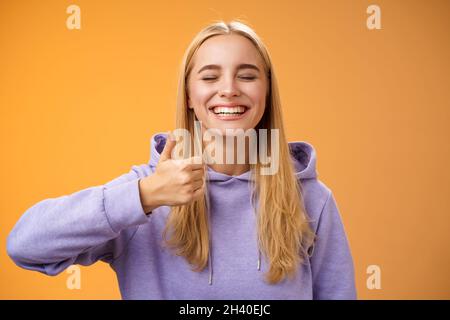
78, 108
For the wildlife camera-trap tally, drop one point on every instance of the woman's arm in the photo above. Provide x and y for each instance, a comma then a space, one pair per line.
79, 228
331, 262
97, 223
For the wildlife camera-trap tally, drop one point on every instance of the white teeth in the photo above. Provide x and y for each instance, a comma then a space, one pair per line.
229, 110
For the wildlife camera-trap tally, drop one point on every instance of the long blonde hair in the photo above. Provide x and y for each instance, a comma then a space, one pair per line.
284, 232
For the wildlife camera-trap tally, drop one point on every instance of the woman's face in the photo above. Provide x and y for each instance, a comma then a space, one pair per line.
227, 85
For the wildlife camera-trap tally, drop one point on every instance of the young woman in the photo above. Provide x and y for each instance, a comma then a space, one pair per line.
179, 229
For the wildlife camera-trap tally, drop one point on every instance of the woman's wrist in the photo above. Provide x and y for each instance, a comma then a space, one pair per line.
147, 195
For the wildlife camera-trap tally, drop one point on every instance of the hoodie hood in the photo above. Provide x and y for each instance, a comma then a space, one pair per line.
303, 157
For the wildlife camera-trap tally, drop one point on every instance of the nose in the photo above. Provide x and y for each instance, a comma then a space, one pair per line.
228, 88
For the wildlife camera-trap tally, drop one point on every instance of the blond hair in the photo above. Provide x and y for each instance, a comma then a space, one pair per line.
283, 230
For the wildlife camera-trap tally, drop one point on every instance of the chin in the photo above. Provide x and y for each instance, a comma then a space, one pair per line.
232, 130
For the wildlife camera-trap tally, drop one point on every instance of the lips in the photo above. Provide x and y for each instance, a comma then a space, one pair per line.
228, 109
228, 112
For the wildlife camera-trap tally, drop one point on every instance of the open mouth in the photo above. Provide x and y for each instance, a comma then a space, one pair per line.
228, 111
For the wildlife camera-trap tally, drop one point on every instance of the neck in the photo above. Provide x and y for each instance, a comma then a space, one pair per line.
230, 169
235, 168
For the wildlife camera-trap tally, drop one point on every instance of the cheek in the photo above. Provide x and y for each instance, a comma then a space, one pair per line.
199, 93
258, 95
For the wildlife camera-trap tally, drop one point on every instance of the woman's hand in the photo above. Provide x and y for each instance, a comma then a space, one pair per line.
174, 182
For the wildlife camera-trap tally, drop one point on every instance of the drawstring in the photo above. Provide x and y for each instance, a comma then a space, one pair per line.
210, 235
259, 260
258, 265
210, 267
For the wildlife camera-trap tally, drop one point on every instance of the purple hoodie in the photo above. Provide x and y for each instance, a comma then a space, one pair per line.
107, 223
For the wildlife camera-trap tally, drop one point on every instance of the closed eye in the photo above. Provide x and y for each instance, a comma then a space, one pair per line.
243, 77
248, 78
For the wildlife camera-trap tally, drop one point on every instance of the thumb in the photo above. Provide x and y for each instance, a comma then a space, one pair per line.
166, 154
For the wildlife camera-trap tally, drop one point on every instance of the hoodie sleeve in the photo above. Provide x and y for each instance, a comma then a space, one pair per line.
81, 228
331, 261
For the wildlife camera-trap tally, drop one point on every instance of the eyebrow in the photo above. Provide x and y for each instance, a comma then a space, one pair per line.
216, 66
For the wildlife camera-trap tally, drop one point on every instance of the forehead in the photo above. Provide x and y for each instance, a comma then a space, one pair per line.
227, 50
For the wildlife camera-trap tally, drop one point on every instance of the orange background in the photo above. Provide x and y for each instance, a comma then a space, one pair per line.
78, 108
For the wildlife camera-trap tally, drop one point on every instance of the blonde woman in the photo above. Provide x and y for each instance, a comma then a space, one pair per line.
188, 228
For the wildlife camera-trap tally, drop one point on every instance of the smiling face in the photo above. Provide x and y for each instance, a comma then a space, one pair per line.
227, 85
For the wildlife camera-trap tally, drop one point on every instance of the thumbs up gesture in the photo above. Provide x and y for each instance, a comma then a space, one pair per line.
174, 182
